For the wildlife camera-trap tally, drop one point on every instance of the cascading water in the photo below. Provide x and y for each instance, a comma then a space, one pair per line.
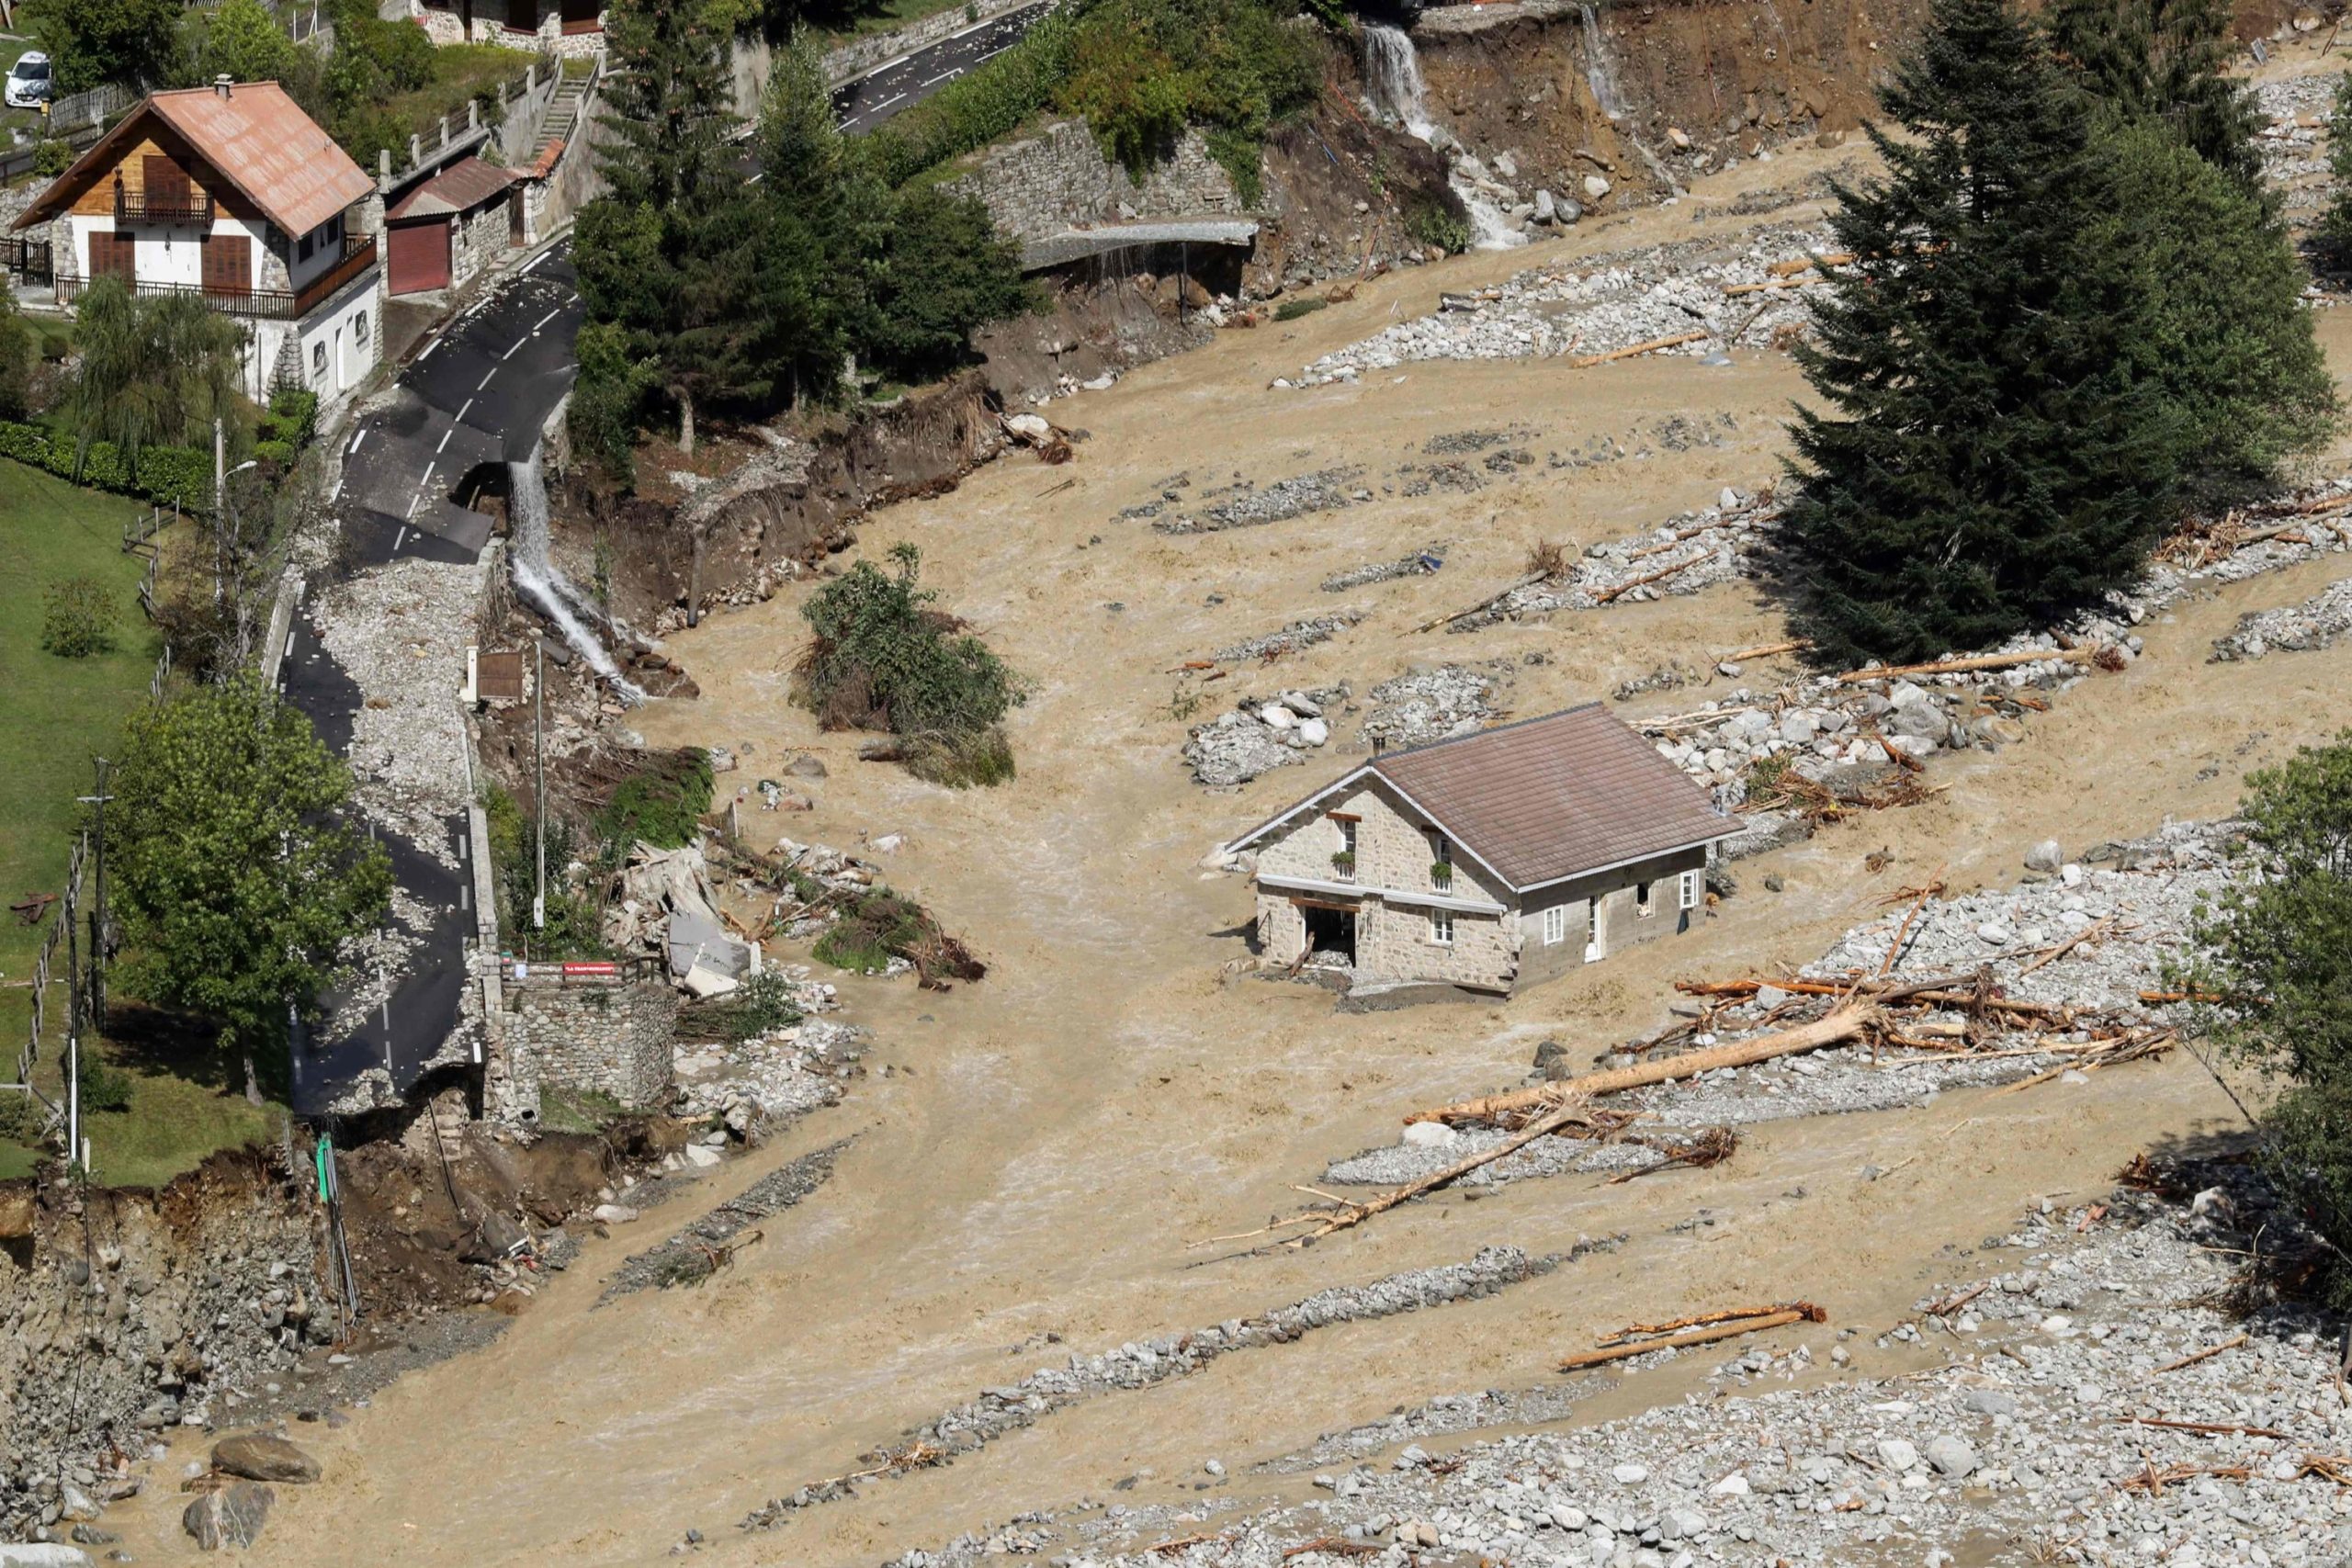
537, 575
1599, 71
1393, 86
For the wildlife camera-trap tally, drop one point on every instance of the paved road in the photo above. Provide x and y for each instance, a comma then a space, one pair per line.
866, 103
478, 393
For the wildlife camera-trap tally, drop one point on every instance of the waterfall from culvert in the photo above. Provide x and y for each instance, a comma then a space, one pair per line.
1599, 71
1392, 86
542, 581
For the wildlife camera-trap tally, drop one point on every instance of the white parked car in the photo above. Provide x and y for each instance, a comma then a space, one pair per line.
30, 85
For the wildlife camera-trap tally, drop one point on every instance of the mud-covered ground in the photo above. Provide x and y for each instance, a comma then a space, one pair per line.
1035, 1159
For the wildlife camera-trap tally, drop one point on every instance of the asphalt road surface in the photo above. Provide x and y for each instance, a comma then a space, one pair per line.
861, 105
477, 394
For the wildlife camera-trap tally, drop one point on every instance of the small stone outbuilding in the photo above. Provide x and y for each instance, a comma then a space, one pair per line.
1490, 862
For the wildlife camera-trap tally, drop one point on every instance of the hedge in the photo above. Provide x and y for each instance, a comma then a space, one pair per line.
977, 109
178, 476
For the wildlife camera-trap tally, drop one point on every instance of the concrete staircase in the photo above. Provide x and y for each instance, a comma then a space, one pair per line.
563, 114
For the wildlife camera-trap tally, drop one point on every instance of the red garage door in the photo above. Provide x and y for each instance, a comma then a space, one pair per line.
420, 257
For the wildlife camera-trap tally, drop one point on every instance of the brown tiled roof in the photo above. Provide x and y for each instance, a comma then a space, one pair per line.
258, 137
1548, 798
463, 185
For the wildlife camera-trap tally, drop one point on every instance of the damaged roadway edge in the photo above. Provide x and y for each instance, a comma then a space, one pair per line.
1007, 1409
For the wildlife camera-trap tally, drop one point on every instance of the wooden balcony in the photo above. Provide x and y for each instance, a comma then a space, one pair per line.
274, 304
179, 210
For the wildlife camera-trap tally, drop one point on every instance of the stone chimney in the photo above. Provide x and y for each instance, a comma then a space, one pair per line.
222, 82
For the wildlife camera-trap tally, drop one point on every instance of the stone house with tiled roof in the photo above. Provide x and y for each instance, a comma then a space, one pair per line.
1490, 862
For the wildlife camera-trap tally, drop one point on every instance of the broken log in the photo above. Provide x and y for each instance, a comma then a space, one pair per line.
1587, 361
1795, 1312
1608, 594
1979, 662
2205, 1354
1677, 1324
1794, 645
1836, 1027
1530, 581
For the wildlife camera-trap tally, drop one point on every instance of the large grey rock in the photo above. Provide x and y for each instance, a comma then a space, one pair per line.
232, 1517
1897, 1454
1989, 1402
43, 1556
1545, 212
806, 767
1952, 1456
2045, 856
258, 1456
1920, 720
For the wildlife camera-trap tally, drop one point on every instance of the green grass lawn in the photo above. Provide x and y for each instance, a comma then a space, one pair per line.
57, 715
459, 71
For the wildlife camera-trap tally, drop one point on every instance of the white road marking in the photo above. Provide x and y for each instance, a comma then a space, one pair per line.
886, 103
355, 444
510, 353
445, 440
427, 477
461, 412
944, 76
534, 262
413, 502
428, 351
543, 321
485, 378
997, 50
289, 643
401, 535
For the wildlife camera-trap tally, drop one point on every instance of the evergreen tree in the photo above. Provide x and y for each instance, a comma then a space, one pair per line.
1990, 458
2336, 223
666, 108
244, 41
2162, 60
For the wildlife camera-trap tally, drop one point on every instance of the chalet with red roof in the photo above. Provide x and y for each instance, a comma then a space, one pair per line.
231, 195
1490, 862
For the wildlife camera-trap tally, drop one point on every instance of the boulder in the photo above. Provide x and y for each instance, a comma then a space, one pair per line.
1430, 1136
1314, 731
231, 1516
1952, 1456
806, 767
258, 1456
1546, 211
1898, 1455
1276, 714
51, 1554
1595, 187
2045, 856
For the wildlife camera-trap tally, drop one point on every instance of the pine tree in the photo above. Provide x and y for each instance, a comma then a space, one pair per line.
2162, 60
1988, 459
672, 81
2336, 223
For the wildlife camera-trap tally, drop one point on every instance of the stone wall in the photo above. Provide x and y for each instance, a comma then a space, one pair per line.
608, 1038
1058, 179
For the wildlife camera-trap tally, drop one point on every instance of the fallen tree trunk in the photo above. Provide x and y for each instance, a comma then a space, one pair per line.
1795, 1312
1356, 1213
1962, 666
1836, 1027
1586, 362
1608, 596
1530, 581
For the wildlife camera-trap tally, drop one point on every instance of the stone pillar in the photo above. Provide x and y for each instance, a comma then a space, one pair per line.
416, 150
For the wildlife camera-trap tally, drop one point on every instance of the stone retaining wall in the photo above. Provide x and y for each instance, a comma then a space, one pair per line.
606, 1039
1046, 183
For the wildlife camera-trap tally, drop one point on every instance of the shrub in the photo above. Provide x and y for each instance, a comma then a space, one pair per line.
982, 760
104, 1087
293, 416
52, 158
22, 1120
77, 618
608, 397
974, 110
1433, 221
882, 658
172, 475
762, 1005
55, 347
662, 804
1292, 310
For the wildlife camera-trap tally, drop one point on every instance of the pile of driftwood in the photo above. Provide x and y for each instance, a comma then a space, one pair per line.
1874, 1009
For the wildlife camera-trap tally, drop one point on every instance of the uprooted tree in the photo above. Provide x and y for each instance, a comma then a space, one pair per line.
883, 657
2276, 950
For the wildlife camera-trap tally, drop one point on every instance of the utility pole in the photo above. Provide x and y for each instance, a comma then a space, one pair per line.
539, 779
219, 504
98, 916
73, 1040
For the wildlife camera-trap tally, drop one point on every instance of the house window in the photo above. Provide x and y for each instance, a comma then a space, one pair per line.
1644, 899
1556, 925
302, 251
334, 230
1440, 862
359, 328
1686, 892
1441, 927
319, 360
1343, 861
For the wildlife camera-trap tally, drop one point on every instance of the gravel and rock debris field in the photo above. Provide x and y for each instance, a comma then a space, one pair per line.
401, 633
1136, 1365
2029, 1442
1427, 703
1598, 304
2140, 896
